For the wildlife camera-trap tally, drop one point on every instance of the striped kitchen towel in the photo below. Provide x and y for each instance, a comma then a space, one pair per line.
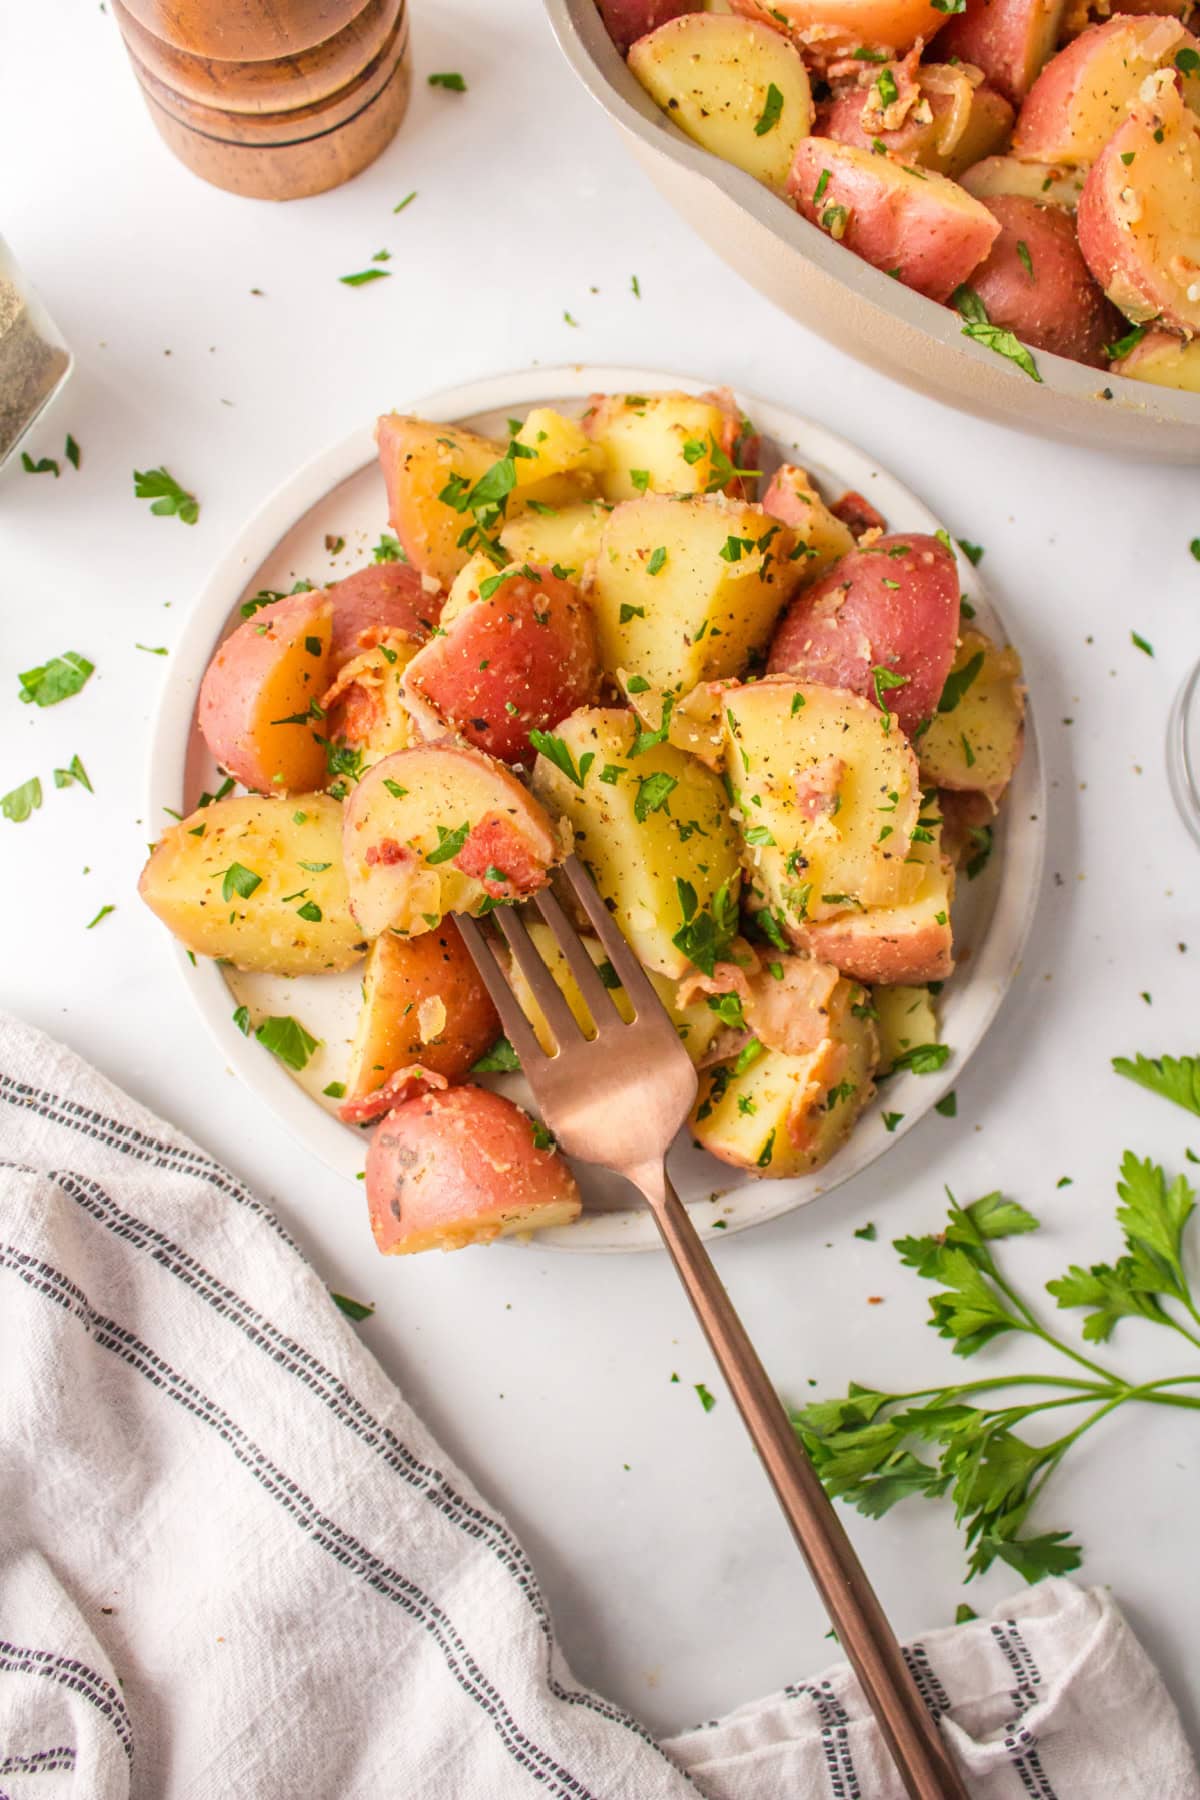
233, 1563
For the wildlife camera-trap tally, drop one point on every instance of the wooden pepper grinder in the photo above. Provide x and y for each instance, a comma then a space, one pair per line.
271, 98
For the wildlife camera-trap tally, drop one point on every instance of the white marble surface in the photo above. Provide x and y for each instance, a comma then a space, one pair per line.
671, 1577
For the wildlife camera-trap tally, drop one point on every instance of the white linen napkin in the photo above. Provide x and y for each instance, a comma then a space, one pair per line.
234, 1563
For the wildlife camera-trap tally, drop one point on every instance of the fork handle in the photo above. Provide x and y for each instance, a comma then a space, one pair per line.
909, 1730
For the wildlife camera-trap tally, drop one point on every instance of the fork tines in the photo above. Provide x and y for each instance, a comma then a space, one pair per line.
545, 990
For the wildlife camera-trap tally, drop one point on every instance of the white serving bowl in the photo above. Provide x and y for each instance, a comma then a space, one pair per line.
855, 306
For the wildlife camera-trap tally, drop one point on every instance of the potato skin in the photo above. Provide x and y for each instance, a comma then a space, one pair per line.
827, 30
1139, 220
1056, 306
423, 1003
264, 675
1009, 40
520, 660
1165, 360
792, 497
273, 839
926, 228
893, 605
1082, 95
388, 596
461, 1166
628, 20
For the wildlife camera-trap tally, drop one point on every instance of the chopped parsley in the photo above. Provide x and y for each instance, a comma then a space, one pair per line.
287, 1039
169, 499
55, 680
772, 108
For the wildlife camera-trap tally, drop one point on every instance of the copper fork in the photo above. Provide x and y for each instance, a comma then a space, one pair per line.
618, 1099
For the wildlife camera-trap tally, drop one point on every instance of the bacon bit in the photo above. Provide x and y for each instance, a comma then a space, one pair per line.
403, 1084
388, 852
816, 788
858, 514
726, 978
806, 1109
874, 1299
792, 1014
495, 843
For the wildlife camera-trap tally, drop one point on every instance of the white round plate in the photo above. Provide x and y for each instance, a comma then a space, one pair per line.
340, 495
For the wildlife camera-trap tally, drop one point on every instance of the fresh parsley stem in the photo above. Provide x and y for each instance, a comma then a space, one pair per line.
1034, 1325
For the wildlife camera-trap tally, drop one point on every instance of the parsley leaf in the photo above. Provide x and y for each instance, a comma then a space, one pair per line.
353, 1309
55, 680
772, 108
1175, 1078
287, 1039
500, 1059
170, 500
558, 751
994, 337
958, 681
22, 801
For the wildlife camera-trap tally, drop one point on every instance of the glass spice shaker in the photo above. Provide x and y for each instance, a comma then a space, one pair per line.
34, 359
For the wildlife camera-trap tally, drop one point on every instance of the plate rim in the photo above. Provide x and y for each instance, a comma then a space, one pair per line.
288, 502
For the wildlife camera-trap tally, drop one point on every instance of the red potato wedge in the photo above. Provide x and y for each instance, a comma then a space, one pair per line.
419, 461
735, 86
908, 943
518, 660
424, 1006
387, 596
1085, 92
1036, 283
921, 227
681, 443
628, 20
927, 113
440, 829
892, 606
792, 497
784, 1115
257, 881
1139, 214
976, 736
1010, 40
256, 700
1052, 184
463, 1167
829, 30
1164, 360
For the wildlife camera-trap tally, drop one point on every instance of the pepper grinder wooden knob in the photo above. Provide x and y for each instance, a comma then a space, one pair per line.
271, 98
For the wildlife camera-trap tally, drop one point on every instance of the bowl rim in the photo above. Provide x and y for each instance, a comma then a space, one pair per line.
588, 49
998, 955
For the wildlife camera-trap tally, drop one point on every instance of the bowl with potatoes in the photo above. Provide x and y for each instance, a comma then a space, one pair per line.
733, 665
996, 201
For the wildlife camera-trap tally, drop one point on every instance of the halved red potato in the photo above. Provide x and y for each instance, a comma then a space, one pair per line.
1036, 283
1084, 93
920, 227
628, 20
671, 443
1010, 40
792, 497
934, 114
520, 657
1139, 214
424, 1009
826, 799
886, 613
910, 942
776, 1114
440, 829
257, 881
976, 735
257, 697
463, 1166
364, 710
734, 85
387, 596
1164, 360
1053, 184
430, 469
829, 30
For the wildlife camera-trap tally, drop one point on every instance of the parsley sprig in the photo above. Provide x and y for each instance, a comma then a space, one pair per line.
874, 1448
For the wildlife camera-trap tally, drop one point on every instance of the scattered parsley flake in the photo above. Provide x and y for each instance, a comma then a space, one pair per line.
170, 500
55, 680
